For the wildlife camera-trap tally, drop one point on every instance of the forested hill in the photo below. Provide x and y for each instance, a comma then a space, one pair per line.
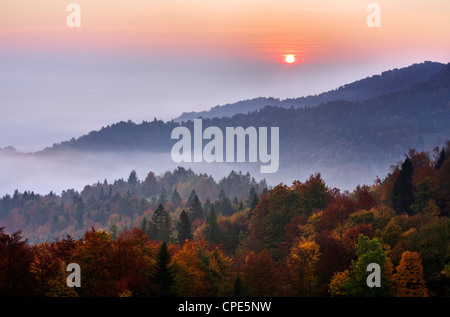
356, 137
387, 82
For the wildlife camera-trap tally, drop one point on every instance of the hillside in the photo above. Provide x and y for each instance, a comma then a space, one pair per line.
387, 82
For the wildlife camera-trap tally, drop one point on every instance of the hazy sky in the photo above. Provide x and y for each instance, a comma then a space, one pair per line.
140, 59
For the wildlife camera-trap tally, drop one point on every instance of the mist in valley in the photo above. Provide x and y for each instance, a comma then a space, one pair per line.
54, 172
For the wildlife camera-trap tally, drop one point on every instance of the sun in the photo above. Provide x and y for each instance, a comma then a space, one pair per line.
289, 59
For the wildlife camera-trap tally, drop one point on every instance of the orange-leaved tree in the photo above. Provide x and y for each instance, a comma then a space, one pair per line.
408, 279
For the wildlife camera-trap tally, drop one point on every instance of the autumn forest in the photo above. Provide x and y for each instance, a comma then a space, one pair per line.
185, 235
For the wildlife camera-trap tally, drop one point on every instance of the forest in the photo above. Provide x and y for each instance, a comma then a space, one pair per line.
186, 235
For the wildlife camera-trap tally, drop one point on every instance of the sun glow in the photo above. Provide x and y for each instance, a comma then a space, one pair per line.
289, 59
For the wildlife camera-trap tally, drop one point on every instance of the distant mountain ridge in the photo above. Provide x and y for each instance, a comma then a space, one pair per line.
361, 138
387, 82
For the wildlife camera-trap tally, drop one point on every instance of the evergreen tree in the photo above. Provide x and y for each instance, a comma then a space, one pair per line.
163, 278
224, 205
212, 228
441, 159
191, 197
162, 200
403, 192
132, 179
79, 211
166, 228
157, 223
195, 209
184, 228
207, 204
145, 225
150, 185
239, 289
114, 231
175, 198
254, 201
251, 194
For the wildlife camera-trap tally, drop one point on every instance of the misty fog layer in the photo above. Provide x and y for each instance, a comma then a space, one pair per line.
74, 170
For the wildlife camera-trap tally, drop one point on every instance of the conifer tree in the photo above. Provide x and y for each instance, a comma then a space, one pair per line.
175, 198
212, 228
184, 228
195, 209
403, 192
163, 278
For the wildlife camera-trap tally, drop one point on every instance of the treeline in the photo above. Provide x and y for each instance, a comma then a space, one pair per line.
123, 203
301, 240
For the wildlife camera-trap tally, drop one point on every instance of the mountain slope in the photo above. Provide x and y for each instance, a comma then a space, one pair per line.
388, 82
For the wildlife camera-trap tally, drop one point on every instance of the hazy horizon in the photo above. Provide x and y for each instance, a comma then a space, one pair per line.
136, 60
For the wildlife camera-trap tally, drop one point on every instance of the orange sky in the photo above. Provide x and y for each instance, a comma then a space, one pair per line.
249, 29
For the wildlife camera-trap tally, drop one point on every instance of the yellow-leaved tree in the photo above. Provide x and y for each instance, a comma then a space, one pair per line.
302, 263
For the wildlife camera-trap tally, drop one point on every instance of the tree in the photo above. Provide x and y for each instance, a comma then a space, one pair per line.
252, 198
338, 282
15, 261
162, 199
240, 290
403, 191
224, 205
114, 231
45, 267
175, 198
312, 194
336, 213
368, 251
260, 274
150, 185
191, 197
408, 279
302, 263
161, 225
365, 201
184, 228
95, 255
334, 258
163, 278
212, 228
195, 209
132, 179
441, 159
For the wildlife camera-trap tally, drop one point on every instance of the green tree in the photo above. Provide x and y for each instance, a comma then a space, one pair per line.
160, 227
195, 209
369, 251
212, 228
